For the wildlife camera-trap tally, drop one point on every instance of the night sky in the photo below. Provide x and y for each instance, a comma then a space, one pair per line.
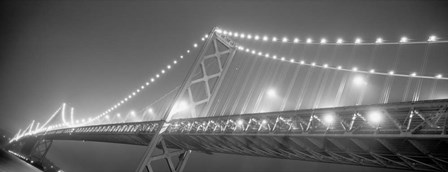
90, 54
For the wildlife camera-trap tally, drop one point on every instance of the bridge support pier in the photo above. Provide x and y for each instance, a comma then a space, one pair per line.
40, 150
166, 155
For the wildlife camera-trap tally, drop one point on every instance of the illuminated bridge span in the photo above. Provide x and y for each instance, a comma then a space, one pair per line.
226, 105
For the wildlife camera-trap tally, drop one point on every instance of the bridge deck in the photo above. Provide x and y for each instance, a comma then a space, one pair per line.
410, 135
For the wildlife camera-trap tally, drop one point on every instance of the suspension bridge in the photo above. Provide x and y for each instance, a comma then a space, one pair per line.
322, 101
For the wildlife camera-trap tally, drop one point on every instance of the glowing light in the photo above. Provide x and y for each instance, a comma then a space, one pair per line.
432, 38
374, 117
257, 37
282, 59
181, 57
413, 74
372, 71
253, 51
240, 122
403, 39
247, 50
249, 36
195, 45
242, 35
230, 33
325, 65
271, 92
328, 119
313, 64
157, 75
118, 115
266, 55
358, 41
132, 113
259, 53
339, 41
323, 41
180, 106
439, 76
265, 38
309, 41
150, 110
339, 67
169, 66
264, 121
379, 40
274, 39
206, 35
152, 79
302, 62
292, 60
107, 116
236, 34
133, 93
188, 51
163, 71
359, 81
296, 40
285, 39
391, 72
274, 57
175, 61
354, 69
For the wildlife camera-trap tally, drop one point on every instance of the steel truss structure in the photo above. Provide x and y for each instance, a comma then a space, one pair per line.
411, 135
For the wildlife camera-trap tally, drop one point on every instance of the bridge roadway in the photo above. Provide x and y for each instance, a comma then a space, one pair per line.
409, 135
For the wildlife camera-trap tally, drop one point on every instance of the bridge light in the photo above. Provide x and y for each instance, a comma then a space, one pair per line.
379, 40
404, 39
168, 66
138, 90
132, 113
125, 99
296, 40
175, 61
163, 71
202, 39
439, 76
77, 121
265, 38
264, 121
313, 64
195, 45
266, 55
188, 51
274, 39
230, 33
180, 106
328, 119
285, 39
259, 53
242, 35
374, 116
271, 92
152, 79
249, 36
292, 60
354, 69
83, 120
253, 51
309, 41
240, 122
358, 41
323, 41
157, 75
181, 57
282, 59
118, 115
274, 57
372, 71
413, 74
432, 38
236, 34
225, 32
247, 50
257, 37
150, 110
339, 67
339, 41
359, 81
302, 62
325, 65
391, 72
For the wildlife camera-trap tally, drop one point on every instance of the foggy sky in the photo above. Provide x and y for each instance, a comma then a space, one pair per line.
90, 54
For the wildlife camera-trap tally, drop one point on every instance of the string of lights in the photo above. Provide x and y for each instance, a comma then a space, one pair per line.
332, 67
338, 41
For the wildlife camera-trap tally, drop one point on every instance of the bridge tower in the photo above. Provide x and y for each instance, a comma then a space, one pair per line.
199, 87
